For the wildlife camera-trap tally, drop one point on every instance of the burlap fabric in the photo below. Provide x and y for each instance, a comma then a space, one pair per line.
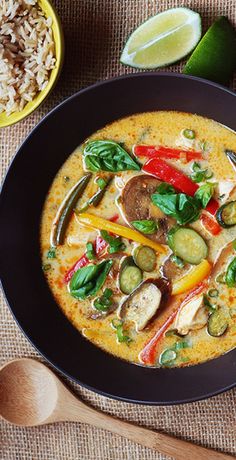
95, 32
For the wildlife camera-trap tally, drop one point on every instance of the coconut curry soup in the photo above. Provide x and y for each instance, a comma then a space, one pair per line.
138, 239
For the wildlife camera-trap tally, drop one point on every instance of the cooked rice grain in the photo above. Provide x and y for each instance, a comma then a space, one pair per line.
27, 53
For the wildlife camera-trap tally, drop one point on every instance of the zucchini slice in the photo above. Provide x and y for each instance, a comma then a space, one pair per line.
226, 214
217, 323
130, 276
145, 258
187, 244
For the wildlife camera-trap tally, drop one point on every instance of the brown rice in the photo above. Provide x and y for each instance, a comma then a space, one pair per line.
27, 53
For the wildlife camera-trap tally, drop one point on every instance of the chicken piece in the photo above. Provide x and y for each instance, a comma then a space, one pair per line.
79, 235
192, 316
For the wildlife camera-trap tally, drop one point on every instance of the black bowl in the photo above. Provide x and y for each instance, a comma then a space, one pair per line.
22, 198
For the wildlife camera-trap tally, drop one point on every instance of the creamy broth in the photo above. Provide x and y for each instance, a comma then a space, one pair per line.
154, 129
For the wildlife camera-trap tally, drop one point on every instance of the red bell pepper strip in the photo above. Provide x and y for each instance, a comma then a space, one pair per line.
98, 245
114, 218
212, 206
210, 224
150, 151
167, 173
148, 353
79, 264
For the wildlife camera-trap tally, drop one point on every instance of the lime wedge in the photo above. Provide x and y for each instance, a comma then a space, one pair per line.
163, 39
215, 56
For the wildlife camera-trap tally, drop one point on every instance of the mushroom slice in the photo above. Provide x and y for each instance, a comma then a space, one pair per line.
191, 316
141, 305
137, 205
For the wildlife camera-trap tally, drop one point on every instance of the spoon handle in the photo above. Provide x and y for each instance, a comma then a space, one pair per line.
168, 445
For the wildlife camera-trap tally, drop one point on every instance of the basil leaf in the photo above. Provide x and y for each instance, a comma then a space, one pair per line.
115, 243
182, 207
165, 189
166, 203
230, 276
87, 281
82, 276
188, 209
92, 163
148, 227
108, 156
205, 193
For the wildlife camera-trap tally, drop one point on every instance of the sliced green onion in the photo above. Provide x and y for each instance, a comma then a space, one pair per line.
177, 261
199, 174
46, 267
221, 278
104, 302
213, 293
51, 253
100, 305
234, 244
101, 183
196, 166
189, 134
207, 304
208, 175
120, 333
206, 301
185, 359
181, 345
107, 293
90, 251
167, 357
205, 146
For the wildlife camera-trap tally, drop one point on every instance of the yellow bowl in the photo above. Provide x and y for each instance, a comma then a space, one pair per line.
49, 10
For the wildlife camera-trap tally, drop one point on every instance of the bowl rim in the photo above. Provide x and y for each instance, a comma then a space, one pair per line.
27, 335
30, 107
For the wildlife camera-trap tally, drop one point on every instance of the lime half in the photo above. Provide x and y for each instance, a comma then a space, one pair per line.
163, 39
215, 56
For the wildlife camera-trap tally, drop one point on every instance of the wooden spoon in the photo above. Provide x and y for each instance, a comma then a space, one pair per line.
31, 395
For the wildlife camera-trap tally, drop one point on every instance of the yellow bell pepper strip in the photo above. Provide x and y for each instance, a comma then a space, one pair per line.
195, 276
127, 232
